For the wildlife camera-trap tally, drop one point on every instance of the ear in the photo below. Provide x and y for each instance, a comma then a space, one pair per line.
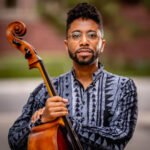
66, 44
103, 45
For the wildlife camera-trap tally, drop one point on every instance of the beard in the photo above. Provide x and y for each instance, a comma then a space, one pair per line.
84, 61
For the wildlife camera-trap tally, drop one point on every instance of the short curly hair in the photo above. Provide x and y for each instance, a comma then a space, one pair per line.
84, 10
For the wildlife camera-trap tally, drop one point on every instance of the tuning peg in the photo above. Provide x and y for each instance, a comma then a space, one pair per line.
28, 54
25, 48
16, 42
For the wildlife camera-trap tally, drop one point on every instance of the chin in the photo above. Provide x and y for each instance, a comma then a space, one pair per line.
83, 63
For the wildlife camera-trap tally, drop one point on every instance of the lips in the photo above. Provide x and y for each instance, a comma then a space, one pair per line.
84, 51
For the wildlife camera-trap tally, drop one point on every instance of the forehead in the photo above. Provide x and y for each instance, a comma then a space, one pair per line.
83, 25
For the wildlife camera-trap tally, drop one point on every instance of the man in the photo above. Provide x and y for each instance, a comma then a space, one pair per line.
101, 106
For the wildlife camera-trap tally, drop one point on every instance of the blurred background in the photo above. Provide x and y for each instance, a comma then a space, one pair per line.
127, 53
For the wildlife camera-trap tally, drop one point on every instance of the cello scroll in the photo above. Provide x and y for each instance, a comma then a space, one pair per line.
14, 33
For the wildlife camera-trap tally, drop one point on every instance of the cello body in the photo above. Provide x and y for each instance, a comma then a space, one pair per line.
56, 135
47, 136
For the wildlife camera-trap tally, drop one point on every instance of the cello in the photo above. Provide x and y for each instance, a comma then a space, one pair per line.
56, 135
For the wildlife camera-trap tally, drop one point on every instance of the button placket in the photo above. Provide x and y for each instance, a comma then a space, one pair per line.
84, 108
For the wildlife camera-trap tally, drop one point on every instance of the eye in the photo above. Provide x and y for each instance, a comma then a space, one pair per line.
92, 35
76, 35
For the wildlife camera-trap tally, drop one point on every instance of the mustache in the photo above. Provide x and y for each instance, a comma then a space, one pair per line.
84, 49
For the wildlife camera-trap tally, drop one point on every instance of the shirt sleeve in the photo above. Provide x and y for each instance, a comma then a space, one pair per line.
18, 133
121, 127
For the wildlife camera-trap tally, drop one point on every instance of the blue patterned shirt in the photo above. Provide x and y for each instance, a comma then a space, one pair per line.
103, 115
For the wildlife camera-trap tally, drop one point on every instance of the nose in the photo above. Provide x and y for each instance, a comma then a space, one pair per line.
84, 40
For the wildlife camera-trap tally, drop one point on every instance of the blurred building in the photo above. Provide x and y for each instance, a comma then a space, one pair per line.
40, 34
18, 9
137, 48
45, 37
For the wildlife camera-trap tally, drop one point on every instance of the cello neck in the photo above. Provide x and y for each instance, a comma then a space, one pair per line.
52, 92
47, 80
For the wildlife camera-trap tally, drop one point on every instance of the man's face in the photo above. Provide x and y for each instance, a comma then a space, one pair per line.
84, 42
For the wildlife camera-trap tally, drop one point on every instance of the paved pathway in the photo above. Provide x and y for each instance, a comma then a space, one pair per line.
14, 93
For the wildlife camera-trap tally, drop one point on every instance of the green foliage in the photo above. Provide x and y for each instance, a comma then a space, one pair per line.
16, 67
53, 19
71, 3
138, 68
146, 3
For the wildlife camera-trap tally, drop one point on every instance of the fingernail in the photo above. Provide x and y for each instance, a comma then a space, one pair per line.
66, 100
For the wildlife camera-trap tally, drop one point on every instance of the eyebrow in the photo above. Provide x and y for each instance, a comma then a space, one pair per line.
80, 31
76, 31
92, 31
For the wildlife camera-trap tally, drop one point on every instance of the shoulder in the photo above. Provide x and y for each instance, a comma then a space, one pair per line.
115, 76
61, 78
122, 81
39, 89
40, 94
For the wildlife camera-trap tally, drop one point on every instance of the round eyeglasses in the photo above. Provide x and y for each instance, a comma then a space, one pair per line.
77, 35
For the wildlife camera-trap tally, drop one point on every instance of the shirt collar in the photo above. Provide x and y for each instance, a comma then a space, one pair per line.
95, 75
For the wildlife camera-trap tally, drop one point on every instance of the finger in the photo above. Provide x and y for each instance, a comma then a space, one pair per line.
59, 114
36, 115
48, 117
33, 117
56, 104
58, 109
42, 110
65, 100
56, 99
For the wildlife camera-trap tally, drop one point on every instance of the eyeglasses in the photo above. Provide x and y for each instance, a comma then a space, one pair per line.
77, 35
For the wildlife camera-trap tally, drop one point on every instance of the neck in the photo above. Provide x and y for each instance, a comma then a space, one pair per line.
84, 72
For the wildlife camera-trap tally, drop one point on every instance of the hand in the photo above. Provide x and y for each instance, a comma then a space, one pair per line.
37, 115
55, 107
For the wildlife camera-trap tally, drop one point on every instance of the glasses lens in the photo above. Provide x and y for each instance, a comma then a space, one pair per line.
92, 35
76, 35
